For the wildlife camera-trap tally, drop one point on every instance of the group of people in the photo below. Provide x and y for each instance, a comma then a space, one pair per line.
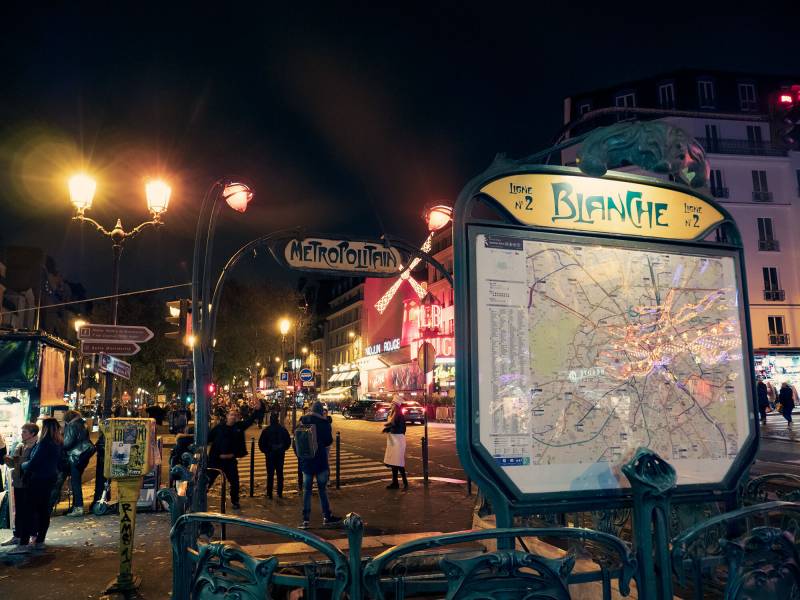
227, 444
784, 400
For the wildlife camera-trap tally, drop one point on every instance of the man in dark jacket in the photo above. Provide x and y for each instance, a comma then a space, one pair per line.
227, 444
317, 466
274, 441
79, 450
763, 400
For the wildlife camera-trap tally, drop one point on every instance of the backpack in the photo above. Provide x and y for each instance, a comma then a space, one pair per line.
305, 440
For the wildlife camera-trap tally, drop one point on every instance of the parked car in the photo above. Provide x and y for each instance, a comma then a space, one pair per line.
357, 409
377, 411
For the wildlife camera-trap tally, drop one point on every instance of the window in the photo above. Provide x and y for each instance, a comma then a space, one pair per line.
584, 108
747, 96
705, 93
777, 331
712, 138
766, 237
754, 135
761, 191
626, 100
772, 289
666, 95
718, 189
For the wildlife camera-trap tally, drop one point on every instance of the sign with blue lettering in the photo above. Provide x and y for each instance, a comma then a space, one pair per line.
306, 375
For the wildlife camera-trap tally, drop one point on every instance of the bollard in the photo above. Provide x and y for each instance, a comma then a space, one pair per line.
252, 465
425, 460
338, 459
469, 486
222, 504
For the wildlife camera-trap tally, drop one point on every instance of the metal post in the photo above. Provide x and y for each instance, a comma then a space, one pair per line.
469, 486
252, 464
223, 503
425, 460
338, 459
114, 306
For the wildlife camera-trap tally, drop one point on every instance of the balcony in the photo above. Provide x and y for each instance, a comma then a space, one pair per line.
741, 147
774, 295
762, 196
769, 246
779, 339
719, 192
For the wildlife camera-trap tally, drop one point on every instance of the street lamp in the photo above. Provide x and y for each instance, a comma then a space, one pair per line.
78, 324
81, 193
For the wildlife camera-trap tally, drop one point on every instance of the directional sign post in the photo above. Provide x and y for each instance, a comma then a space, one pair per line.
115, 333
118, 367
107, 347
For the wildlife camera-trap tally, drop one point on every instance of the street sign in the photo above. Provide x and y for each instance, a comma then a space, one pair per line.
357, 257
110, 347
115, 333
308, 384
426, 356
306, 375
118, 367
285, 376
179, 362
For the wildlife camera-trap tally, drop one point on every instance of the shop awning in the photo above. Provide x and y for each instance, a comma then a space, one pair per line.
337, 393
343, 376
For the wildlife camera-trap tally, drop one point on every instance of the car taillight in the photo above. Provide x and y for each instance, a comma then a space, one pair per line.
403, 411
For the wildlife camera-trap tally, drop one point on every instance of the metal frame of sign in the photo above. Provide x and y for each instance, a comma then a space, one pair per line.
506, 498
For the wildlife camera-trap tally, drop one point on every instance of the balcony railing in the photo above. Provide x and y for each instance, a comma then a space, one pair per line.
779, 339
769, 246
719, 192
762, 196
774, 295
744, 147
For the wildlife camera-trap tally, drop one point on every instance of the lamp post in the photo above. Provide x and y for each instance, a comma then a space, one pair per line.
283, 326
81, 192
78, 323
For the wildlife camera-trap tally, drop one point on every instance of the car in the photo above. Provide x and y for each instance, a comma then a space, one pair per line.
377, 411
357, 409
412, 411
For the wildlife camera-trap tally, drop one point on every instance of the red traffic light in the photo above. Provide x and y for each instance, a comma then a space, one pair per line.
212, 388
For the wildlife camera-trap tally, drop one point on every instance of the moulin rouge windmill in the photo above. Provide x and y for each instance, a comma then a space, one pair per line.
437, 218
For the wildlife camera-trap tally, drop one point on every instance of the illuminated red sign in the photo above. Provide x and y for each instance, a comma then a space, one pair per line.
786, 99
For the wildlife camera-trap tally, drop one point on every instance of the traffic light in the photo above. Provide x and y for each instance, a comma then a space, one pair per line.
212, 389
785, 117
178, 314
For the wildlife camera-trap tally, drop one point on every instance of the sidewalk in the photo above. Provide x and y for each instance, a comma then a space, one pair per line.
81, 557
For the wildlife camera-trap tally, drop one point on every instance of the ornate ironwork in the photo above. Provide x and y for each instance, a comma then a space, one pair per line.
652, 145
224, 570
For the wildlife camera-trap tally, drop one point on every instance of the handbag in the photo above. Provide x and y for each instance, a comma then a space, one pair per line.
82, 458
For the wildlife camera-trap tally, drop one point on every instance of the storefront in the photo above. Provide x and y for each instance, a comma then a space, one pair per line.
777, 367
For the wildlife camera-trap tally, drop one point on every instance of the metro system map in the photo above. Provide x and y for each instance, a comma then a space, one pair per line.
595, 350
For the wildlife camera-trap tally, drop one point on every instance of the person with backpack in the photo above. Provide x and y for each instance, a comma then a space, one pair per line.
227, 444
312, 438
274, 441
79, 450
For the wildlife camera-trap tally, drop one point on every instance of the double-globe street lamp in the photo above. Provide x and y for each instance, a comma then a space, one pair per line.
81, 193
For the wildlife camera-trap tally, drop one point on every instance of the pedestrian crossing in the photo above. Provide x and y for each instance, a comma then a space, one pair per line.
354, 468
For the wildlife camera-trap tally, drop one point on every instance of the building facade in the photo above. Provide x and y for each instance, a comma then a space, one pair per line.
341, 340
755, 175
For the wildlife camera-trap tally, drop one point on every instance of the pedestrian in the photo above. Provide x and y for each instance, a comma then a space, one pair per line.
786, 402
79, 450
316, 466
274, 441
763, 400
20, 454
395, 455
227, 445
261, 413
39, 474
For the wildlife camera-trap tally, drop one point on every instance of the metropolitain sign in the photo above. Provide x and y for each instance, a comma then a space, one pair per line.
353, 256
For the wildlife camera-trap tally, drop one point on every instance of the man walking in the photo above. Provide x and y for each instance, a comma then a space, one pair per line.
274, 441
316, 466
227, 445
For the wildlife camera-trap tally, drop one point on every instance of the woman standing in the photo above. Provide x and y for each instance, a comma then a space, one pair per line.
39, 475
22, 452
395, 456
786, 400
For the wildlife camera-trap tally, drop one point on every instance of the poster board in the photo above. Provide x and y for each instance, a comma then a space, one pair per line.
52, 376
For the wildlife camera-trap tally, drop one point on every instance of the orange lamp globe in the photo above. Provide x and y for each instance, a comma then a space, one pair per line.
238, 196
81, 191
438, 217
157, 192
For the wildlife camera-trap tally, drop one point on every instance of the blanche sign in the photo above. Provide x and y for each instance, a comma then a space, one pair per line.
320, 254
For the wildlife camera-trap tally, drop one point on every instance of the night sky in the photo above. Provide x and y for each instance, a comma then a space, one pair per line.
343, 120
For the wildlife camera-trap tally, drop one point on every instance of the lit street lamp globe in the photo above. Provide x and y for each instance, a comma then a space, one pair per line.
81, 191
157, 192
284, 325
238, 196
